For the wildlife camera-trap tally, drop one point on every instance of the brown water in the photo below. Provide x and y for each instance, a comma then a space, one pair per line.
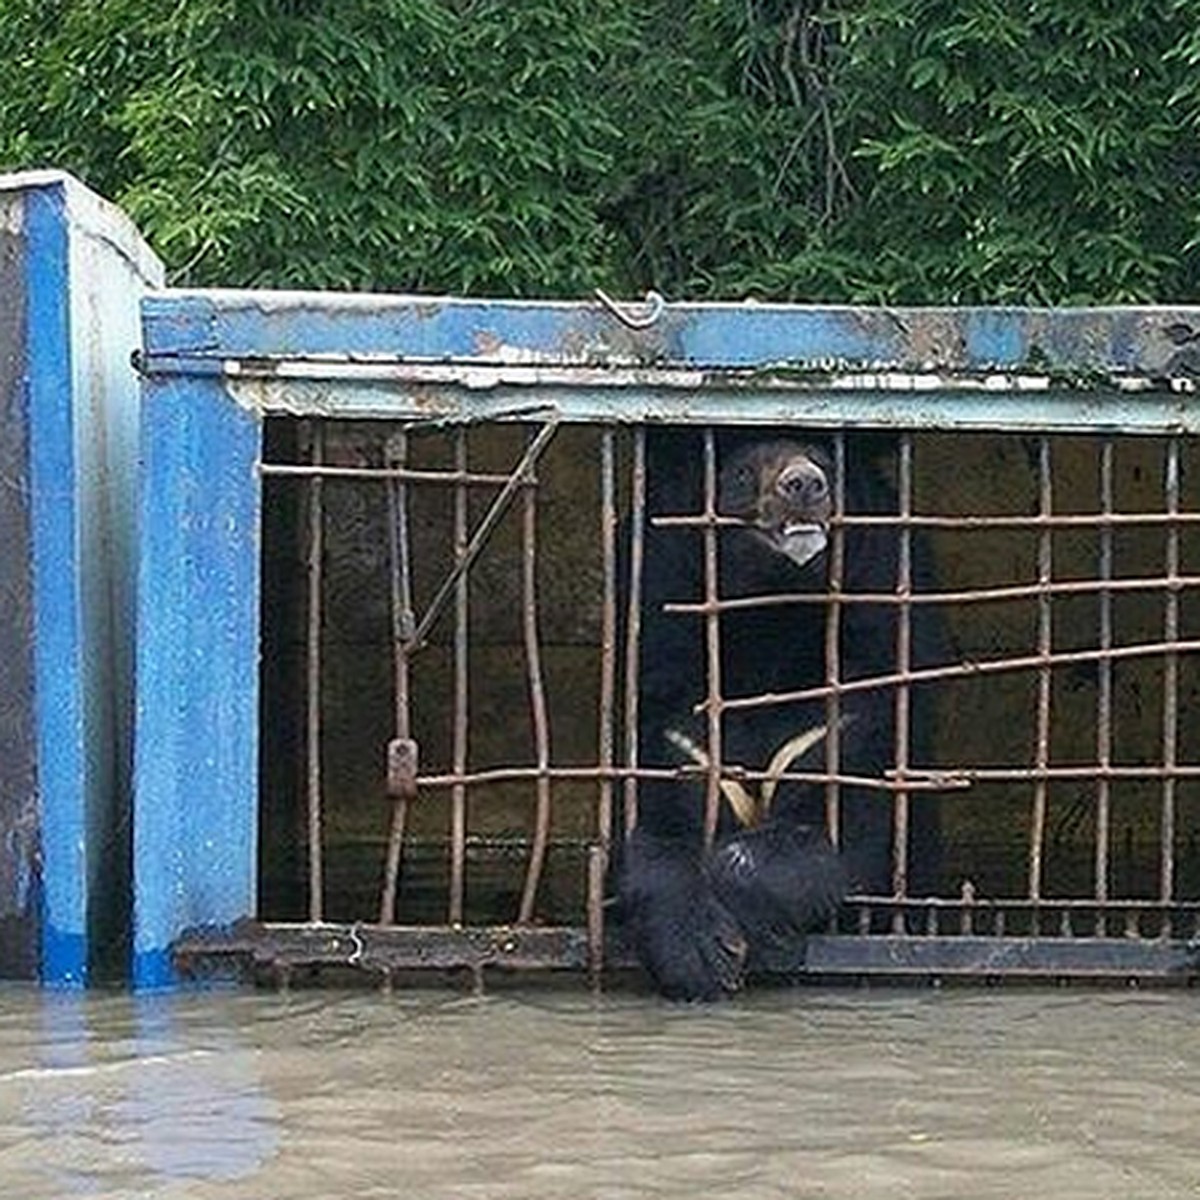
528, 1095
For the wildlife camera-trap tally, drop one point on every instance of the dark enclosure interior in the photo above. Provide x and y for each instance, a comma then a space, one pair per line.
444, 699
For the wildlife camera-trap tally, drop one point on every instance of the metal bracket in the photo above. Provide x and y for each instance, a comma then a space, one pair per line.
402, 759
655, 307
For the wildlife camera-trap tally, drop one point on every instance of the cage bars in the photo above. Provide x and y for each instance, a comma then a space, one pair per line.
401, 608
1104, 683
1170, 716
316, 557
903, 708
833, 643
537, 704
600, 852
905, 778
462, 600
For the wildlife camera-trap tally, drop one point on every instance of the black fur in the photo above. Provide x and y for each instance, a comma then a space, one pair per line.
700, 924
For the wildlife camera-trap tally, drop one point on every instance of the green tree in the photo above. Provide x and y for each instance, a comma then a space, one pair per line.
898, 150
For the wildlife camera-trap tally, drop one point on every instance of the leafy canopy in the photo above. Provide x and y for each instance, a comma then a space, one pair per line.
947, 151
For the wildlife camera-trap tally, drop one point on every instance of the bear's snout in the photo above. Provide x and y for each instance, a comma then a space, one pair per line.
802, 485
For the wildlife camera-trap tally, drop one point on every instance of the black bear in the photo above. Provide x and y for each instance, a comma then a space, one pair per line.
699, 922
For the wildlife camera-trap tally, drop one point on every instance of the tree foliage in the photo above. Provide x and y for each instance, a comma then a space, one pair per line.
899, 150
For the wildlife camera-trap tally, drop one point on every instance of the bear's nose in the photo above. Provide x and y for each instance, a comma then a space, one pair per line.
802, 483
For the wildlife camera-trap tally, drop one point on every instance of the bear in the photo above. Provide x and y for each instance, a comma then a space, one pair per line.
703, 921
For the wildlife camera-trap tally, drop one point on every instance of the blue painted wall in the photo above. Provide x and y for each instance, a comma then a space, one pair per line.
82, 270
196, 755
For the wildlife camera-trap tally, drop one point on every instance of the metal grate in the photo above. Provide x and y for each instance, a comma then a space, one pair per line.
1066, 569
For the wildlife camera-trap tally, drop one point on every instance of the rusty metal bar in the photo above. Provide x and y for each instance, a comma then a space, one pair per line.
970, 775
918, 778
940, 780
712, 638
537, 701
316, 556
399, 560
1034, 520
1037, 825
903, 698
1062, 587
982, 905
458, 750
521, 477
965, 670
633, 621
936, 780
1033, 958
1170, 733
459, 477
386, 950
596, 872
1104, 711
833, 646
598, 862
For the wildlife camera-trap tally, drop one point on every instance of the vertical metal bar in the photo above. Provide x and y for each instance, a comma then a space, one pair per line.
633, 621
903, 665
316, 555
833, 650
596, 870
712, 632
458, 793
402, 631
1104, 692
1037, 833
537, 701
1170, 735
598, 861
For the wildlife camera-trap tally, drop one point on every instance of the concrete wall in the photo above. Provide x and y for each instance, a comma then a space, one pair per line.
72, 269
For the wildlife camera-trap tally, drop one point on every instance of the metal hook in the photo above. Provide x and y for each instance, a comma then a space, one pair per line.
654, 302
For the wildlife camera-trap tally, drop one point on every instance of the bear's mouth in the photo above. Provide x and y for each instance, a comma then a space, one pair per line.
796, 528
801, 541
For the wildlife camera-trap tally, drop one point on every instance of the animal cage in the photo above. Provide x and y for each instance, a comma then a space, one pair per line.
393, 562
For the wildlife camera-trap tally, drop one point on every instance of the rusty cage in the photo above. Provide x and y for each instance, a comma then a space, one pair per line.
428, 503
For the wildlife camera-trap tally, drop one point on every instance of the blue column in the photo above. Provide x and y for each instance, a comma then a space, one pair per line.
72, 270
196, 750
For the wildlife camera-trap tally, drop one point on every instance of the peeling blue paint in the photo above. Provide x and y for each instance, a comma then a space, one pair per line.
196, 328
196, 751
57, 650
75, 268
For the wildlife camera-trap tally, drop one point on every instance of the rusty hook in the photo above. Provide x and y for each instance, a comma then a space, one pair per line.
655, 304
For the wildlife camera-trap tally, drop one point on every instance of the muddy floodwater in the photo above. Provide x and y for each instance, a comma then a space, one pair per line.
533, 1093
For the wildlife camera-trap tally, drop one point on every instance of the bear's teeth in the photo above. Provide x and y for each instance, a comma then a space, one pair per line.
795, 528
802, 543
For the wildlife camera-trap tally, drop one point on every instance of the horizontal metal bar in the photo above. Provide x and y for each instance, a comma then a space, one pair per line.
373, 947
931, 780
1066, 587
704, 402
403, 474
486, 375
970, 775
382, 950
1027, 904
966, 670
936, 521
1008, 957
